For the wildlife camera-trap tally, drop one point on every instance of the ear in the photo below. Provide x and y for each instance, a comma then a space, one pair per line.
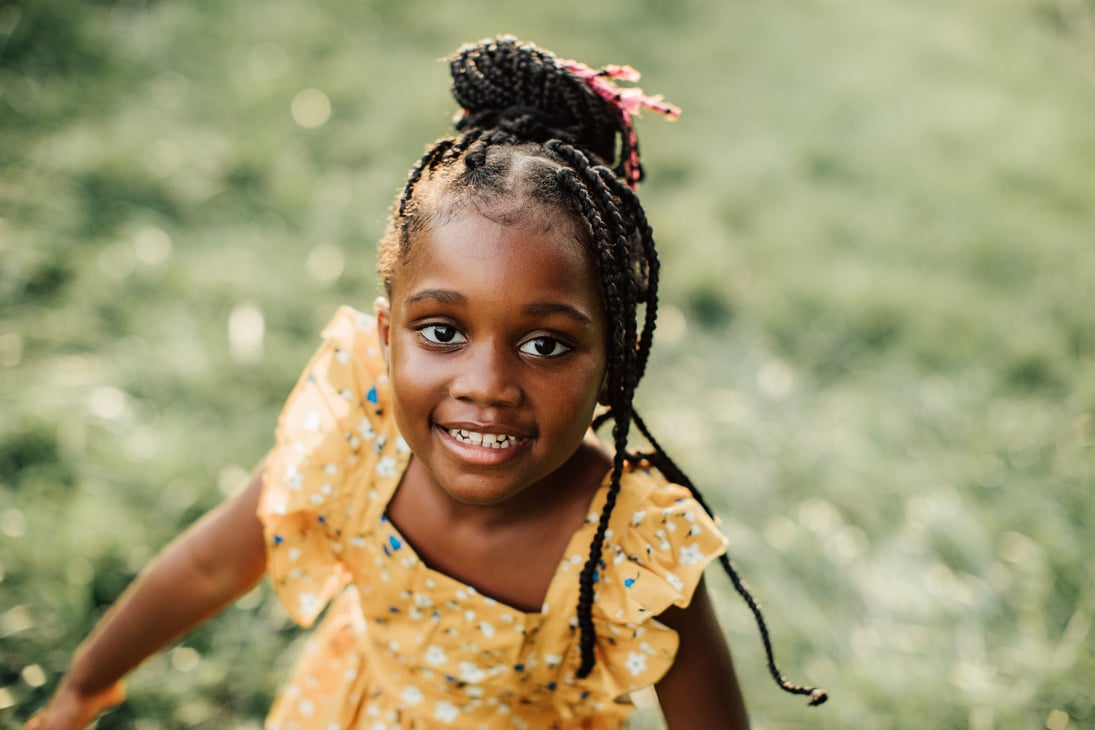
384, 327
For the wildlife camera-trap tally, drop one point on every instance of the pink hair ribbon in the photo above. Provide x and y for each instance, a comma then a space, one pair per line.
629, 101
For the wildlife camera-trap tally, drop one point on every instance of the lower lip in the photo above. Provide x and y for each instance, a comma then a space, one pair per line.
481, 455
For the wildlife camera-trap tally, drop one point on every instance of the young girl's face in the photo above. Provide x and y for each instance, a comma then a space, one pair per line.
495, 343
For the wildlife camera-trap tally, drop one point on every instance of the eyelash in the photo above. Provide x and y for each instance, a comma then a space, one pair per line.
429, 333
534, 340
438, 326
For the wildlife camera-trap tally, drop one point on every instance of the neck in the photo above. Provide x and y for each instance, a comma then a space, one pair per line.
572, 484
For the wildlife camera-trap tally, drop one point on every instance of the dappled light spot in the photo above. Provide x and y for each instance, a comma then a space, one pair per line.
1016, 548
185, 659
109, 404
941, 581
775, 379
781, 533
163, 157
11, 349
79, 571
15, 620
819, 516
141, 444
925, 510
672, 324
252, 599
232, 479
152, 246
973, 677
326, 263
246, 333
847, 544
310, 108
12, 522
1057, 720
33, 675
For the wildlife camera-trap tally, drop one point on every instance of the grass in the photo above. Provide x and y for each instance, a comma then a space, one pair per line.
875, 351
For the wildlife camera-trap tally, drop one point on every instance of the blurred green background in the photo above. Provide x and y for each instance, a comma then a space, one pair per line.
876, 352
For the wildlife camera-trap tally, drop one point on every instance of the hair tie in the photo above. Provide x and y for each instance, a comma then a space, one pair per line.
628, 101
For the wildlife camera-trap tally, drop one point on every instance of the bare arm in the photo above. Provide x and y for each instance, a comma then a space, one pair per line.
700, 690
216, 560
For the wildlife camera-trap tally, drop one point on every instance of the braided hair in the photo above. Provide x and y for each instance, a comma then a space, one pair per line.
554, 132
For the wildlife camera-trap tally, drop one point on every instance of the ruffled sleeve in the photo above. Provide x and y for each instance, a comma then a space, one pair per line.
332, 426
659, 542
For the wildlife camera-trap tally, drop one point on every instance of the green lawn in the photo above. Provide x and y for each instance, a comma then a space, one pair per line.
876, 350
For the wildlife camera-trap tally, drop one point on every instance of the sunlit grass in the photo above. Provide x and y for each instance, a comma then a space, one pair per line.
875, 351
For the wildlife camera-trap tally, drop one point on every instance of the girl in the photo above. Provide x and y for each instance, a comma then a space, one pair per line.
488, 562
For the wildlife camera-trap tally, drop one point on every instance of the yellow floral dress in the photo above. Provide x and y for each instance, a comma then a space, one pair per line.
404, 646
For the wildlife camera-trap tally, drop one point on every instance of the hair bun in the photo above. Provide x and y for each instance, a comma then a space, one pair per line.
514, 86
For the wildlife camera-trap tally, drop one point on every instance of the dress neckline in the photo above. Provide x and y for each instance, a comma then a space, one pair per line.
557, 587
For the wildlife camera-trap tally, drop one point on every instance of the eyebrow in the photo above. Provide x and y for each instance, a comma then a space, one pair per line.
444, 296
542, 309
536, 309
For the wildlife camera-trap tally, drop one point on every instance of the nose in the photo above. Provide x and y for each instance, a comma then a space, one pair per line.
487, 376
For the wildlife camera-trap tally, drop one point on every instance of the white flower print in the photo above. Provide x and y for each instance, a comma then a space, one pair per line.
470, 673
412, 695
636, 663
446, 712
312, 421
435, 655
293, 478
637, 518
402, 446
487, 628
386, 467
365, 428
308, 603
691, 554
674, 581
552, 659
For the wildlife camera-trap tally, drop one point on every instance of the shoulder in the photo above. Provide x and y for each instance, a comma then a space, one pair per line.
660, 540
342, 378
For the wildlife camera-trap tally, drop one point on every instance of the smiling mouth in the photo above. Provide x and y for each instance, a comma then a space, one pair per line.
485, 440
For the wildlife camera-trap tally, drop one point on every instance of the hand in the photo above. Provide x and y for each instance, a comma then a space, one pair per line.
70, 709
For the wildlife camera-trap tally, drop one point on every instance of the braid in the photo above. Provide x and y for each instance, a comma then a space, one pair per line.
673, 473
558, 133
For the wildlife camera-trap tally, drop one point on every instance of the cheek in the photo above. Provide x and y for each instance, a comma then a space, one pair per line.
413, 379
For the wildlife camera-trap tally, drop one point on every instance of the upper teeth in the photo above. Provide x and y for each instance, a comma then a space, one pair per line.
488, 440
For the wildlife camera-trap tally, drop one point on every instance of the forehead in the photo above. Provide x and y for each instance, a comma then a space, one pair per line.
537, 256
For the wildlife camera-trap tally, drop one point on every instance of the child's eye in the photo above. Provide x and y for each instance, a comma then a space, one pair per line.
441, 334
544, 347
